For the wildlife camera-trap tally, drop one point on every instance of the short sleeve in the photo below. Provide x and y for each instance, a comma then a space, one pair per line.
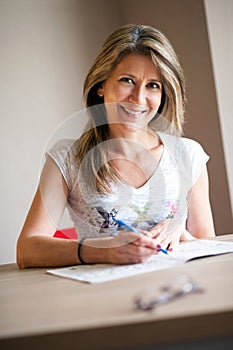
196, 156
188, 156
61, 154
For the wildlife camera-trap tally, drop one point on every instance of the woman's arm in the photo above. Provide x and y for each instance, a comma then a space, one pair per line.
36, 245
200, 221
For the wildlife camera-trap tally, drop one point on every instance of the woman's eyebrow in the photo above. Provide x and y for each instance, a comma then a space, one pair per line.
135, 77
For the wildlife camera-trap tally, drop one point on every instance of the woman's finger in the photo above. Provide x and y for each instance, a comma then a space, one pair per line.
126, 237
132, 253
144, 239
160, 228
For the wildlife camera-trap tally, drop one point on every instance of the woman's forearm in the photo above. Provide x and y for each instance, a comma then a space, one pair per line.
43, 251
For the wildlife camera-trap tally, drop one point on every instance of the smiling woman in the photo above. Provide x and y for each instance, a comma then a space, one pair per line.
130, 164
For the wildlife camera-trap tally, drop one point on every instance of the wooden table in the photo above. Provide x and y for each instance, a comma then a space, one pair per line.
40, 311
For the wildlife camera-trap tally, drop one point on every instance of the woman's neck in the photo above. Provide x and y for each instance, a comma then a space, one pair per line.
135, 159
124, 142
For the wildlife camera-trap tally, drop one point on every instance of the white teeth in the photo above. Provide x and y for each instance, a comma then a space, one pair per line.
132, 112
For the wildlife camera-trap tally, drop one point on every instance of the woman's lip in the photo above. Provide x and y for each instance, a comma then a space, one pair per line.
133, 112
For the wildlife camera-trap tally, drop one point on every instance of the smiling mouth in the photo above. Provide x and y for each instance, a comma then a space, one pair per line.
133, 112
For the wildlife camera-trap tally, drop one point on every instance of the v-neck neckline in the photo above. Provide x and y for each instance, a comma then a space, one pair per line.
135, 189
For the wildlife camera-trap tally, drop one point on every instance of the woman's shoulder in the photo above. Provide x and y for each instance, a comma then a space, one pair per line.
62, 145
63, 153
188, 155
180, 142
194, 149
191, 143
63, 148
185, 150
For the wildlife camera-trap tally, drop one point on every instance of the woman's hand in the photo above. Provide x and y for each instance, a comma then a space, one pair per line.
168, 236
129, 248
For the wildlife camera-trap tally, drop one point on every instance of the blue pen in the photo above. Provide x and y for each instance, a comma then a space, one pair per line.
165, 251
132, 229
122, 223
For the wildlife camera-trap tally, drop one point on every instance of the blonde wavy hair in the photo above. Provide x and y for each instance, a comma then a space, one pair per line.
141, 39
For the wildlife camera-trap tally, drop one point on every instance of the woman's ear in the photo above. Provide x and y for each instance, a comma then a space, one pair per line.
100, 91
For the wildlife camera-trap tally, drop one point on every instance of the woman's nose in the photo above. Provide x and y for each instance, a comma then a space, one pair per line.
137, 96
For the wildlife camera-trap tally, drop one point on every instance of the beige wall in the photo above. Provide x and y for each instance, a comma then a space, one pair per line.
46, 48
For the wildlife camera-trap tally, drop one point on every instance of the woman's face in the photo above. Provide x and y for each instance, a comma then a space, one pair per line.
132, 93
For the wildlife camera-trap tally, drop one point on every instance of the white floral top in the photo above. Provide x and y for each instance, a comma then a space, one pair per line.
163, 196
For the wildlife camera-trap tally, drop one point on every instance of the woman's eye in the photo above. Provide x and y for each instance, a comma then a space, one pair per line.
154, 85
127, 80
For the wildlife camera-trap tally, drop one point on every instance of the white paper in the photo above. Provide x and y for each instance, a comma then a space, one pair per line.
107, 272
